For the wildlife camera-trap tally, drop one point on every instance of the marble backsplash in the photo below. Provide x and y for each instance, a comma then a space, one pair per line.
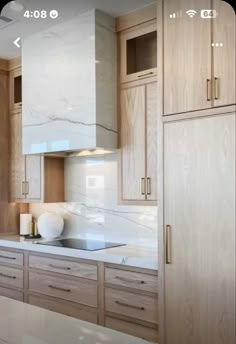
92, 210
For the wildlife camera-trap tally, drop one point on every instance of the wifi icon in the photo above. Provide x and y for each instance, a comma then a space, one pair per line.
191, 13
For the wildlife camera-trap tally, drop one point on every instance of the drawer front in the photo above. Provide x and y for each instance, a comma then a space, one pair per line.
11, 294
132, 305
14, 258
66, 267
130, 279
11, 277
132, 329
64, 307
79, 290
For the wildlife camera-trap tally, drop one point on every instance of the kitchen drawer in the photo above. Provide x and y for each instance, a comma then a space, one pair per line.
66, 267
11, 277
64, 307
136, 330
77, 290
10, 257
130, 279
132, 305
11, 294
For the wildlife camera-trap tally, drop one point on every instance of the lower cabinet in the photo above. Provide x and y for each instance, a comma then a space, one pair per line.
123, 299
64, 307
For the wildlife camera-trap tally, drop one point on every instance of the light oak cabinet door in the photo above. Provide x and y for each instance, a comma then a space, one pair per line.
15, 91
133, 143
17, 161
224, 55
139, 142
187, 56
199, 196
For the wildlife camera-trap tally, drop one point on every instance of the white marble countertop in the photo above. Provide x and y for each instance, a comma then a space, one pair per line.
136, 256
21, 323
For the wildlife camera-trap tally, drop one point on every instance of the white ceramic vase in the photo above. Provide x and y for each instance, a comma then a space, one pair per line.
50, 225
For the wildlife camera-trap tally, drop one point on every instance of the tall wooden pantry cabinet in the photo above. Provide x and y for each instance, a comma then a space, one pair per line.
196, 173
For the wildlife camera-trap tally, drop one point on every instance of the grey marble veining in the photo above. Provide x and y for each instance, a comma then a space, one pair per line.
92, 209
69, 86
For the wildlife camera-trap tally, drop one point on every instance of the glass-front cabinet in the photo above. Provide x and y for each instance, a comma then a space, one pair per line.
15, 85
138, 52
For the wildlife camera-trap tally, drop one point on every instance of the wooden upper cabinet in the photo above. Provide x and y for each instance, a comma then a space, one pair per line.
138, 143
33, 178
187, 57
224, 54
133, 143
138, 52
15, 90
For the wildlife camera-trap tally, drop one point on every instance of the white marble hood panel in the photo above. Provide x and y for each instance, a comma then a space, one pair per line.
69, 86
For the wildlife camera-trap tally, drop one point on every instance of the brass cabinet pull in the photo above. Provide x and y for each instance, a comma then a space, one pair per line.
59, 267
23, 188
217, 88
5, 257
146, 74
208, 87
7, 276
129, 306
168, 245
123, 279
143, 188
148, 182
59, 288
27, 188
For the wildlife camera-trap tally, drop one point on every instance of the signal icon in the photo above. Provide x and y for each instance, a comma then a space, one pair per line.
191, 13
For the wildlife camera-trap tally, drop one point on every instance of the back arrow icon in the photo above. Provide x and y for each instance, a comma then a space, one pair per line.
16, 42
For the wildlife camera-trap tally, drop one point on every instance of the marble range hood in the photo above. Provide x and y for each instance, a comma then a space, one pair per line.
69, 78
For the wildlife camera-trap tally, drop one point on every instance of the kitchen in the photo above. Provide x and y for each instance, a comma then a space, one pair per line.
108, 160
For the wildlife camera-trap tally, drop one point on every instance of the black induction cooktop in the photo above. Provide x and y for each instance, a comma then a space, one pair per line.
80, 244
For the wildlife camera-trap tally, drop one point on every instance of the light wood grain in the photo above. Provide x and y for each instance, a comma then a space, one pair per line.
140, 56
14, 63
199, 168
65, 267
137, 17
54, 190
64, 307
11, 257
11, 277
132, 305
151, 140
134, 280
11, 294
136, 330
132, 142
17, 161
224, 57
187, 57
76, 290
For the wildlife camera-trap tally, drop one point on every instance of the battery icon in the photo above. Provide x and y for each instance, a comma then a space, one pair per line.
208, 14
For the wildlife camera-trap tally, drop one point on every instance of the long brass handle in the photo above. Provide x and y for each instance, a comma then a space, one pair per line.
208, 87
217, 88
146, 74
23, 188
7, 276
5, 257
168, 245
59, 288
59, 267
128, 280
143, 188
27, 188
148, 183
129, 306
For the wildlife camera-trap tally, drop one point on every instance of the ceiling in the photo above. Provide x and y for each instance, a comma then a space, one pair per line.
23, 27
